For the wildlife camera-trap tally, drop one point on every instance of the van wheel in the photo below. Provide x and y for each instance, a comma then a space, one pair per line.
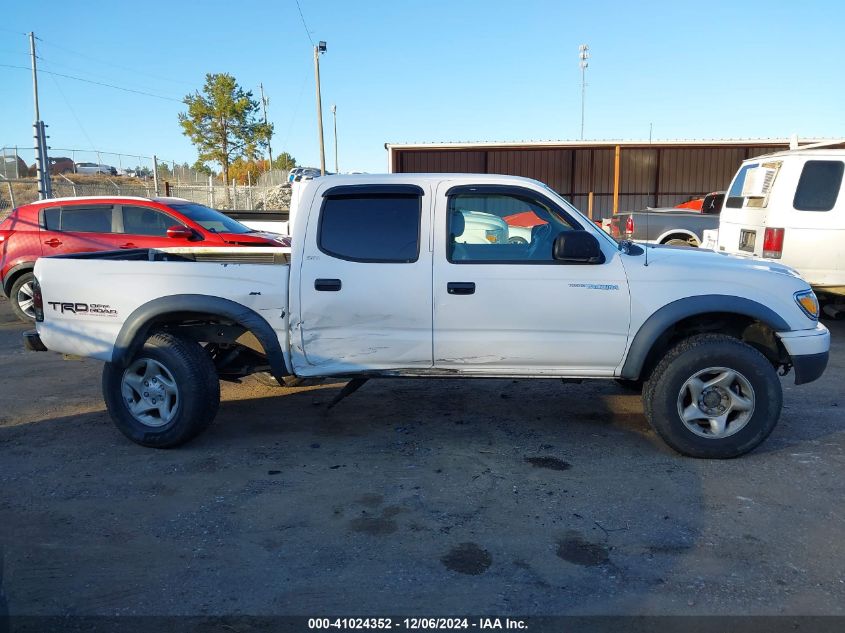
21, 297
713, 396
167, 395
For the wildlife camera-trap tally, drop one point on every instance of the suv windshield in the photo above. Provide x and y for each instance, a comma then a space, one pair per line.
209, 219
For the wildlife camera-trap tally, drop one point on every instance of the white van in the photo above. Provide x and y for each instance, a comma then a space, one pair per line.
789, 206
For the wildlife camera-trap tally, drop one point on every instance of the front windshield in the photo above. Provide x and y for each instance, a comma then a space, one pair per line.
209, 219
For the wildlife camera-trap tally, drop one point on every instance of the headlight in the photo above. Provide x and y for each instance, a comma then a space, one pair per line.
806, 299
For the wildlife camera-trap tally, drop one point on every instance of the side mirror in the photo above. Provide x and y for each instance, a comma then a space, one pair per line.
180, 232
577, 247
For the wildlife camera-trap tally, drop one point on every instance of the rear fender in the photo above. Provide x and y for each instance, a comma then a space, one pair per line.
137, 328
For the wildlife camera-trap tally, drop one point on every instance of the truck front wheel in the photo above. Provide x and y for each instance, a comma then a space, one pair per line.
167, 395
713, 396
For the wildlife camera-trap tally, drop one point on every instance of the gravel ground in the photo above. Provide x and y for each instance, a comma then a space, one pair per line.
427, 497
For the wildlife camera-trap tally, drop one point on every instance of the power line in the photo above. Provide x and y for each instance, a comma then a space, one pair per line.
98, 83
112, 64
73, 112
302, 17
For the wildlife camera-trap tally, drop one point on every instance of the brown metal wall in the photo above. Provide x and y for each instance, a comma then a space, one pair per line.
649, 176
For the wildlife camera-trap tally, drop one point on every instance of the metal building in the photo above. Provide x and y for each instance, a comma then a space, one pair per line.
598, 177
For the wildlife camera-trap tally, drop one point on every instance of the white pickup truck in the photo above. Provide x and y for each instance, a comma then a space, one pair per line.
380, 283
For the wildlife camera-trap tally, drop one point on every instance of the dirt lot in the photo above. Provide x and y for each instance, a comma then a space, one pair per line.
412, 497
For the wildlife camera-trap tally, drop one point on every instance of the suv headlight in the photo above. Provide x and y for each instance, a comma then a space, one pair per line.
808, 302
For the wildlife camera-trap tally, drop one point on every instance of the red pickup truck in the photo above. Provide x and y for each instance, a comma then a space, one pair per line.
75, 225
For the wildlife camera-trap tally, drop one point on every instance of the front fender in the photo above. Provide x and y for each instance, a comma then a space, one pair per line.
670, 314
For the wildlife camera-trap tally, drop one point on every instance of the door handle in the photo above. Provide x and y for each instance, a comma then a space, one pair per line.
327, 285
53, 242
128, 245
460, 287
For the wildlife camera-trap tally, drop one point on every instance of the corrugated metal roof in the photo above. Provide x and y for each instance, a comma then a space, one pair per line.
601, 143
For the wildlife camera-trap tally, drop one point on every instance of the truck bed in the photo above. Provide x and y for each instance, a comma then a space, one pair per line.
89, 297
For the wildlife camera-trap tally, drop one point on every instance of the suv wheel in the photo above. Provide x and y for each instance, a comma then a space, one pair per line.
21, 297
167, 395
713, 396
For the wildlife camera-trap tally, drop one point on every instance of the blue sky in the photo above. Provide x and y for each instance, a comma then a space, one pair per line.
409, 71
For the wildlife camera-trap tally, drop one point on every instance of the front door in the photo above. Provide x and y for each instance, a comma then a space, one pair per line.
145, 227
503, 305
365, 282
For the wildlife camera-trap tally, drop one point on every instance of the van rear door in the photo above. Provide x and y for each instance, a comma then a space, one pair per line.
745, 214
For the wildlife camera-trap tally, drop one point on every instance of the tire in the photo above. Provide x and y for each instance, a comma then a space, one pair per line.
676, 241
177, 372
20, 296
737, 409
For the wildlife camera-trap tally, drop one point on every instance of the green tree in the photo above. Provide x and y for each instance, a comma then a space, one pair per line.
284, 161
223, 123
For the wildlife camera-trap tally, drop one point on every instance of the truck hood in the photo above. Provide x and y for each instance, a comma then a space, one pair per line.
702, 258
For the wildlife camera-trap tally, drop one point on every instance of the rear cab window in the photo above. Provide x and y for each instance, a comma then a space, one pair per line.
819, 185
371, 226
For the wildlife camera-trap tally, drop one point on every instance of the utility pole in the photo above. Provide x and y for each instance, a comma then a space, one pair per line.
320, 48
583, 55
265, 101
41, 163
334, 116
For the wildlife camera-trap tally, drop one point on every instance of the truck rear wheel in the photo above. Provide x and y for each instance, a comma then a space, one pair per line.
713, 396
167, 395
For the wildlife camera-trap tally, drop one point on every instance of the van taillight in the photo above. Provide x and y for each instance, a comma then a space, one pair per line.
37, 301
773, 243
629, 226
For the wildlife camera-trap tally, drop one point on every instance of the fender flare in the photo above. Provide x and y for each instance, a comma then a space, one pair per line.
672, 313
8, 279
686, 232
136, 328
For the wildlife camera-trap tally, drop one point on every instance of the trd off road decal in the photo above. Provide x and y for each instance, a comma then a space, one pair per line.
82, 309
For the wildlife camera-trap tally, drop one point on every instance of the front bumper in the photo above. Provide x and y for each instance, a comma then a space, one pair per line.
32, 341
808, 351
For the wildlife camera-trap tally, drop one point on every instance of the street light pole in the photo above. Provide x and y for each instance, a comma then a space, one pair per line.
320, 48
583, 55
334, 116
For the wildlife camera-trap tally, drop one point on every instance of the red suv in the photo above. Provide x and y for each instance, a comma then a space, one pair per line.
74, 225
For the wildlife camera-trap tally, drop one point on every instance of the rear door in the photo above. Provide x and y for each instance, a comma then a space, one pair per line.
78, 228
365, 281
745, 214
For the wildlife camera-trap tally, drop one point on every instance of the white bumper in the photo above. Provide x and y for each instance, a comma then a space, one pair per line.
806, 342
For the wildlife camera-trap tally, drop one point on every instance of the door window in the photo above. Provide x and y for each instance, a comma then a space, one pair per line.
81, 219
501, 228
371, 227
735, 199
146, 221
819, 185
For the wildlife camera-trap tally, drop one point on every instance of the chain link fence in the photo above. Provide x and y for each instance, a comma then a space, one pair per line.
133, 176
